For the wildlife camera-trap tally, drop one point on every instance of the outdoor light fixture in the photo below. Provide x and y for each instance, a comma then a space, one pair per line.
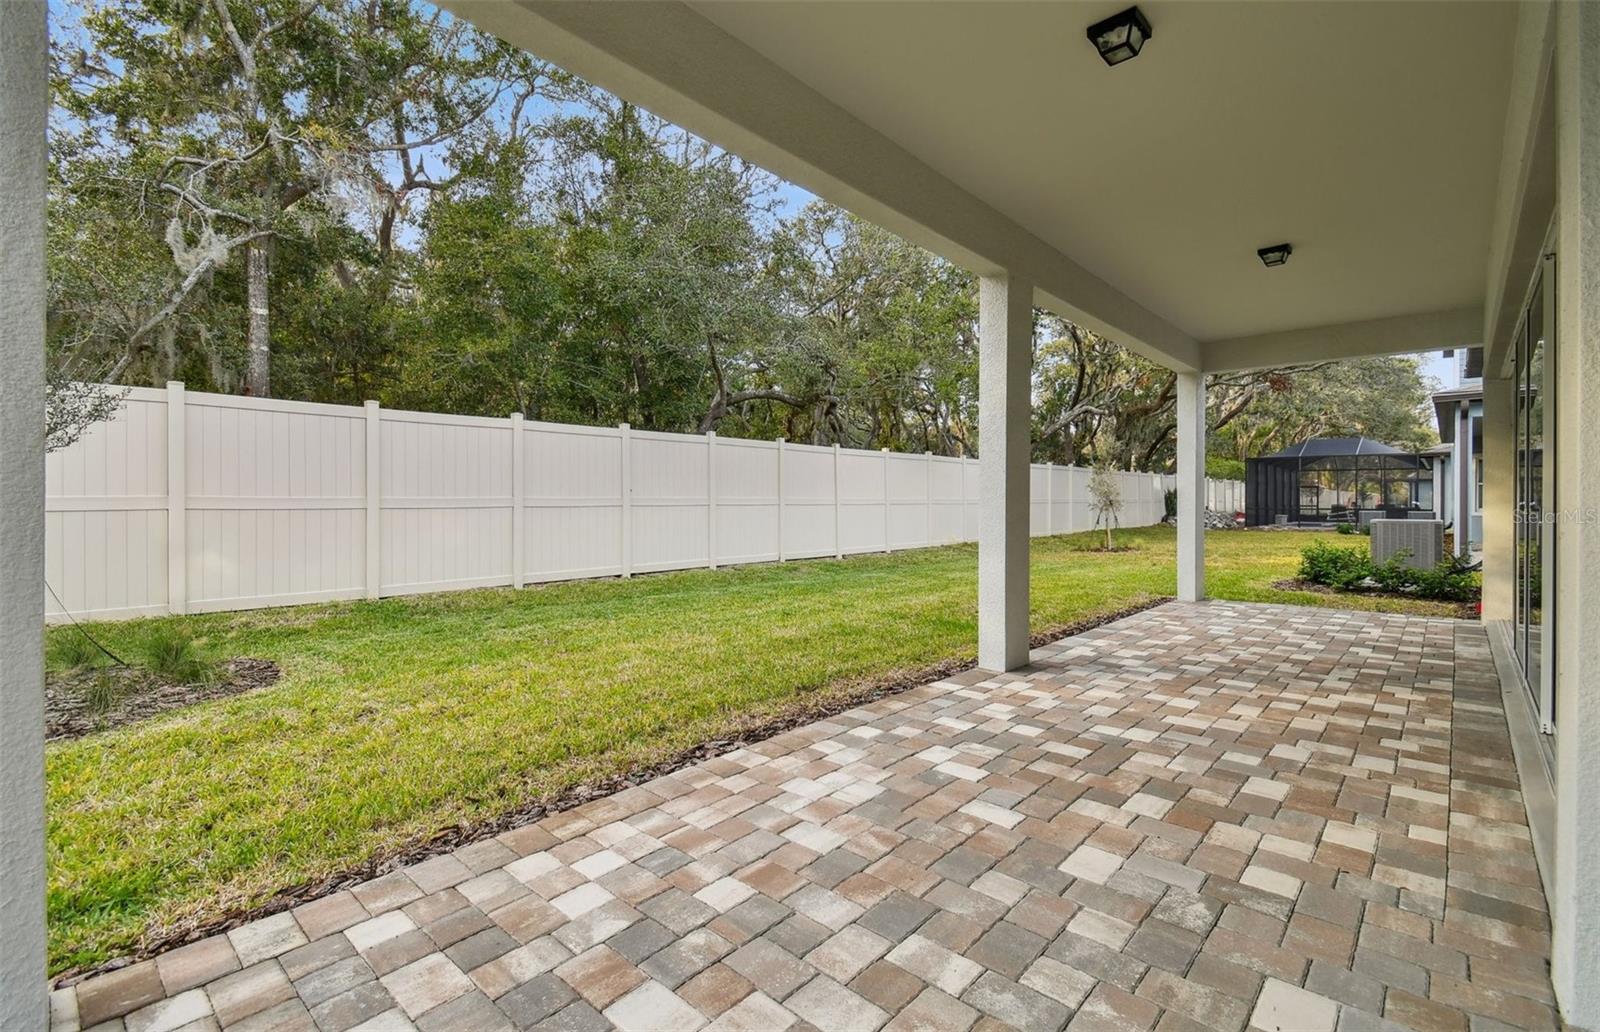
1277, 254
1121, 36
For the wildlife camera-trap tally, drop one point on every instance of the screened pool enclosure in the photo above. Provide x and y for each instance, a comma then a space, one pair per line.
1337, 480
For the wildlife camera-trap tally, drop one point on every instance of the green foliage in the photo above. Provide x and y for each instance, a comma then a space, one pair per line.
1169, 501
1343, 568
71, 652
100, 693
1352, 569
1221, 467
170, 653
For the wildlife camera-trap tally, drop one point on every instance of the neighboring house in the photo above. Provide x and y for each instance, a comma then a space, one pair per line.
1458, 458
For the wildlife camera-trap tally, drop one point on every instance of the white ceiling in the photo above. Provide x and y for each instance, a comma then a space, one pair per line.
1366, 134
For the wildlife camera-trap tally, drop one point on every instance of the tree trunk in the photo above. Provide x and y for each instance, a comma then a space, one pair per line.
257, 272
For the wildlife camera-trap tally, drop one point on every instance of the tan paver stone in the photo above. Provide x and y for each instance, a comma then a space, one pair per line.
600, 975
266, 938
196, 964
172, 1013
244, 993
654, 1008
424, 984
829, 1005
1288, 1008
335, 913
757, 1012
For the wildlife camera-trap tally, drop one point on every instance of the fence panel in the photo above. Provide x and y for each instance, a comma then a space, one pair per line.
446, 503
275, 502
947, 498
194, 502
572, 501
106, 515
669, 481
863, 503
808, 501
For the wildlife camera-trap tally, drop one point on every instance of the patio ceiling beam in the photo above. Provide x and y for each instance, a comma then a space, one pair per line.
668, 59
1402, 334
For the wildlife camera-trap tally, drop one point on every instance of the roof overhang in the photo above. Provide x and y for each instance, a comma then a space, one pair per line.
1133, 198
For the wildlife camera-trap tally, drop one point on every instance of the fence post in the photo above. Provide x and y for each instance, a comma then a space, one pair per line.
838, 536
711, 499
781, 555
177, 501
927, 475
1049, 498
886, 500
627, 499
962, 534
374, 500
518, 491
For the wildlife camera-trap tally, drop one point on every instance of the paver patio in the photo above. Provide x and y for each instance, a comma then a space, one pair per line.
1210, 815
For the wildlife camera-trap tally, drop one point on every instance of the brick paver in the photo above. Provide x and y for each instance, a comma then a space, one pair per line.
1212, 815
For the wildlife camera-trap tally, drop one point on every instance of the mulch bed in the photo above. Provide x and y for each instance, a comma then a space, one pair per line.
835, 701
140, 695
1464, 610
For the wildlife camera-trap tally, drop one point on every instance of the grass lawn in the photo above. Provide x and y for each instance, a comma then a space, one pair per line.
397, 718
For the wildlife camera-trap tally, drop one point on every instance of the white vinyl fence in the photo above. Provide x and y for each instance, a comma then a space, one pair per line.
189, 502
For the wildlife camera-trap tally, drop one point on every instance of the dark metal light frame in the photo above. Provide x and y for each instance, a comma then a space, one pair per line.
1120, 37
1275, 255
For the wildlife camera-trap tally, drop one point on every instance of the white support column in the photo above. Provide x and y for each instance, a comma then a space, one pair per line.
711, 499
1005, 357
627, 499
518, 511
23, 102
177, 500
1191, 486
1575, 906
374, 500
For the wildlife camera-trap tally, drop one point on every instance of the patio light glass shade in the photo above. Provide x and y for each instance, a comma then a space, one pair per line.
1277, 254
1120, 37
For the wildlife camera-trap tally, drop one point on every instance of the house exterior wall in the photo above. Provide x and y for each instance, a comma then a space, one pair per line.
1576, 904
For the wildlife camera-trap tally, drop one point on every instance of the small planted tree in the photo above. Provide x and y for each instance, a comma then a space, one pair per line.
1105, 498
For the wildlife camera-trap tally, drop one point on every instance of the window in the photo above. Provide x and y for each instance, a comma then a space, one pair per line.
1477, 484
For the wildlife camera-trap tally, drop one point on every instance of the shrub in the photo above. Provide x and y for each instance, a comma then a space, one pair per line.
1349, 569
1344, 568
1447, 582
1344, 528
1170, 500
71, 651
171, 655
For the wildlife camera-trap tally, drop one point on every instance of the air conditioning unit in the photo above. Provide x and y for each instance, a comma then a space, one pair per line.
1422, 540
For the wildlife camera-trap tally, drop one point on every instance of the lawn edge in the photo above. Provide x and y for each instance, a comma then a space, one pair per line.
827, 701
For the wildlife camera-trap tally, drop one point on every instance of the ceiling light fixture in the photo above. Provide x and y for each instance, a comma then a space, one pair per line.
1277, 254
1120, 37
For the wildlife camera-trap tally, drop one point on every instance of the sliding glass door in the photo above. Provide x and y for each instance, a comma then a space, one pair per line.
1534, 534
